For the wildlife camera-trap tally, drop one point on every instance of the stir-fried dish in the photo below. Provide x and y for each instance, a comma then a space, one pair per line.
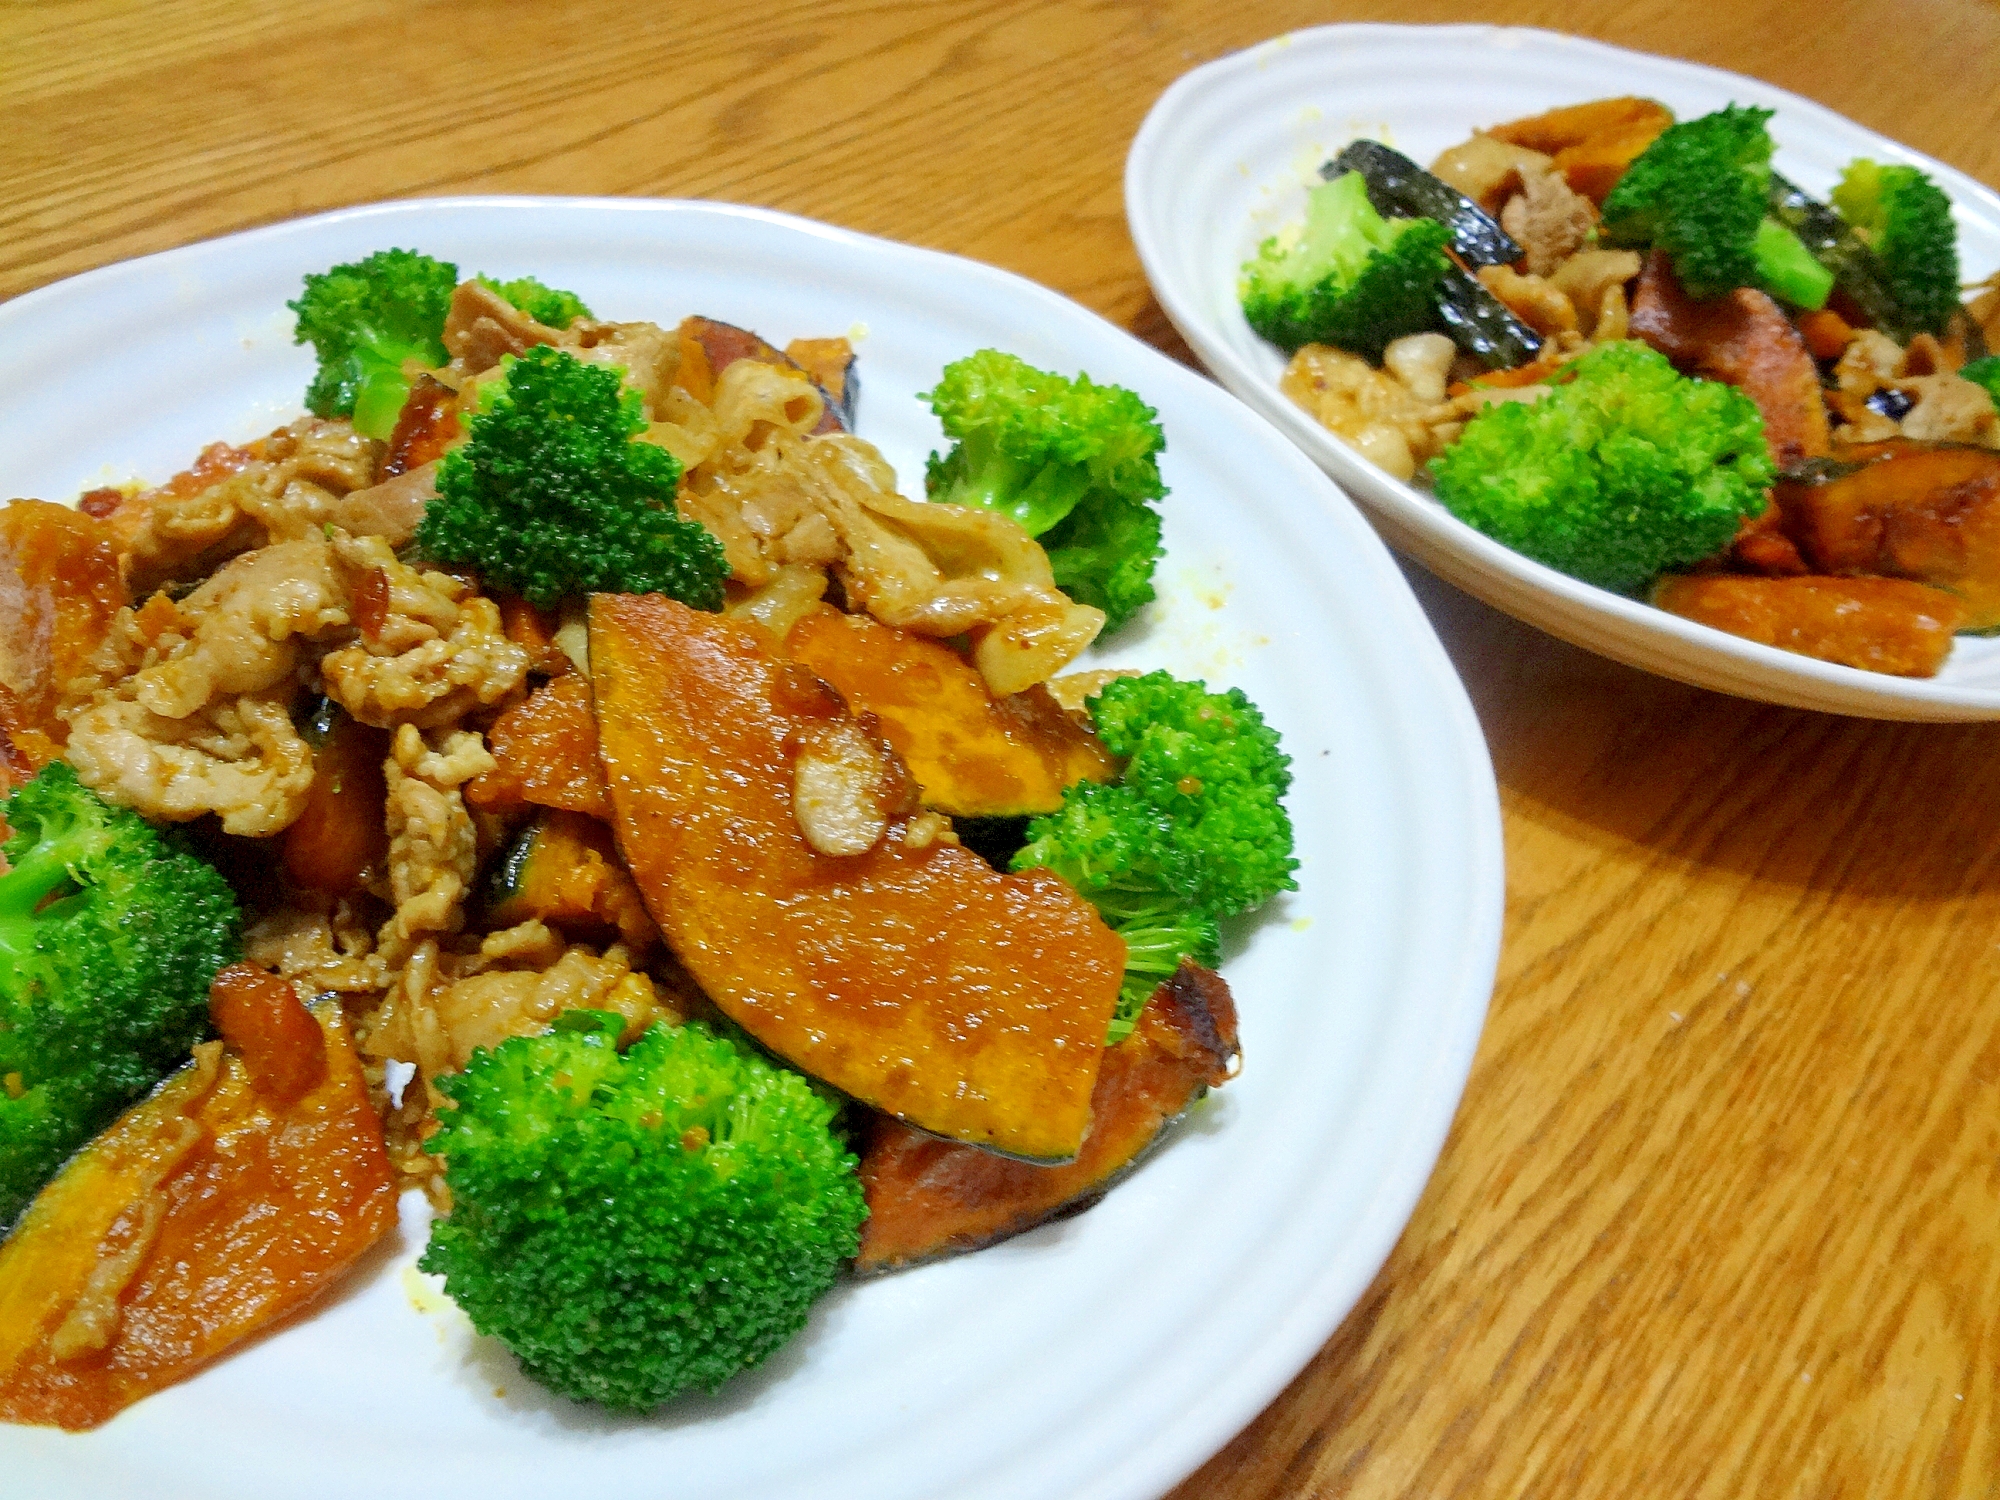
562, 774
1624, 346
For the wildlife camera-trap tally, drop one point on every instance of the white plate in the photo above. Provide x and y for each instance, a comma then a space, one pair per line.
1225, 157
1105, 1356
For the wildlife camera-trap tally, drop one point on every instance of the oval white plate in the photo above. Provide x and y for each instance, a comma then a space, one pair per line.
1105, 1356
1225, 157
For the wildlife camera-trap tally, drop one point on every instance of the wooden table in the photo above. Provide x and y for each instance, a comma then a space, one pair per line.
1721, 1210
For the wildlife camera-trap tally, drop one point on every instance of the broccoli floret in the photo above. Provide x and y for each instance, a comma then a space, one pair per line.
1905, 218
1624, 469
1699, 193
552, 496
109, 937
367, 321
637, 1226
1194, 829
1121, 855
546, 305
1074, 462
1347, 276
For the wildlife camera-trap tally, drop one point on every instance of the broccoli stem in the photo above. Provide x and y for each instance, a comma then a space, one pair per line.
1787, 269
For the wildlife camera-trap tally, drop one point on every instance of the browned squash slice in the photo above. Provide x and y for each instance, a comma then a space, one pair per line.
1877, 624
1558, 129
241, 1189
1593, 166
340, 840
545, 751
1920, 511
565, 871
972, 755
59, 588
913, 975
709, 347
928, 1197
830, 362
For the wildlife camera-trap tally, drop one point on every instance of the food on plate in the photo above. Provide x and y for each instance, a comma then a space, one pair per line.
109, 936
551, 498
1905, 218
562, 774
1074, 463
1623, 470
1193, 830
972, 755
1699, 195
928, 1197
1876, 624
1611, 273
781, 849
640, 1223
1347, 275
250, 1181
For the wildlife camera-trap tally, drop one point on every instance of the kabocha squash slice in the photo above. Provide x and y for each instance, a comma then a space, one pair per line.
564, 870
545, 754
238, 1191
59, 589
339, 840
708, 347
928, 1198
1928, 512
972, 755
913, 975
1889, 625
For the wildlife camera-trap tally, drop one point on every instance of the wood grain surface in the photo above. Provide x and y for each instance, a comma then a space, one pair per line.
1721, 1211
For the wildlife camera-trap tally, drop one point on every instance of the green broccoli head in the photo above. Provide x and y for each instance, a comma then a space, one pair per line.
1623, 470
368, 321
1194, 829
1213, 767
1103, 555
1347, 276
552, 496
1073, 462
109, 937
546, 305
637, 1226
1699, 193
1905, 218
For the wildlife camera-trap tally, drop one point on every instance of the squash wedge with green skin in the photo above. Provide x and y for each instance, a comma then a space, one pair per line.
913, 975
973, 755
928, 1198
228, 1199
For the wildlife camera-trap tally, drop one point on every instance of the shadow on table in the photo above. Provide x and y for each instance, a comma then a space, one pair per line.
1807, 799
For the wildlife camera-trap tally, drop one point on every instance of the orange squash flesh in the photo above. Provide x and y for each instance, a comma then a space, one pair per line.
565, 871
709, 347
206, 1212
339, 839
546, 749
1559, 129
59, 588
917, 979
928, 1197
972, 755
1925, 512
1886, 625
